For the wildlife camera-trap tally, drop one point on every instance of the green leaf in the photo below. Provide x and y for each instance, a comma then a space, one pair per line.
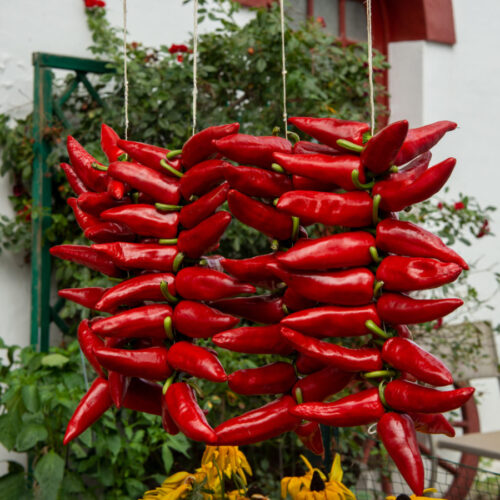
168, 458
179, 443
54, 360
30, 435
13, 486
9, 426
30, 397
49, 472
261, 65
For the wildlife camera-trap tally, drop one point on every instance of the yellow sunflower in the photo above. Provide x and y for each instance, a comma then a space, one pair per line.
314, 485
415, 497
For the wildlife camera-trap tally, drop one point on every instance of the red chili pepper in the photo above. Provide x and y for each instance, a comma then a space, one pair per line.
87, 256
404, 274
381, 150
260, 216
306, 147
95, 203
86, 297
109, 143
330, 130
200, 146
145, 220
257, 425
148, 256
409, 397
155, 184
397, 195
89, 341
117, 189
150, 363
197, 361
118, 385
253, 340
301, 183
403, 331
432, 423
263, 309
403, 354
202, 178
74, 181
198, 283
400, 440
306, 365
329, 252
83, 219
82, 162
352, 209
166, 420
361, 408
109, 232
343, 358
252, 150
187, 415
143, 396
321, 384
203, 237
352, 287
253, 270
254, 181
309, 434
148, 155
199, 210
275, 378
333, 321
135, 291
422, 139
399, 309
91, 407
197, 320
336, 170
295, 302
413, 170
144, 321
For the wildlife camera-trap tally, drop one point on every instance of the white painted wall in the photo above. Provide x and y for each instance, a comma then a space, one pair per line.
430, 82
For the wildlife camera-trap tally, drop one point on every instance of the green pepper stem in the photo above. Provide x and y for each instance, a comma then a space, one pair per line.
171, 169
123, 157
366, 137
374, 328
167, 208
166, 293
168, 383
135, 197
276, 131
357, 183
275, 244
376, 202
295, 137
174, 152
379, 373
277, 168
381, 393
298, 396
295, 227
377, 289
102, 168
196, 388
375, 256
285, 309
167, 241
349, 145
177, 262
167, 326
394, 169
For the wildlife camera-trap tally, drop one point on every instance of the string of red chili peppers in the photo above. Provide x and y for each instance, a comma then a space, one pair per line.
153, 218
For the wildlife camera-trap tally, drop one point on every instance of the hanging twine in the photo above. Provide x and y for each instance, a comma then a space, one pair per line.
125, 77
283, 66
195, 63
370, 63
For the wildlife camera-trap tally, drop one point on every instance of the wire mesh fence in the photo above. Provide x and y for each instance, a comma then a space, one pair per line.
452, 480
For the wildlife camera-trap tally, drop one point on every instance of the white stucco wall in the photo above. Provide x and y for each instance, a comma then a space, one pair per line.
430, 82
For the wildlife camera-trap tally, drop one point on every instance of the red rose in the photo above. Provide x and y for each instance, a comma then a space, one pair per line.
440, 206
321, 20
17, 190
173, 48
182, 48
459, 205
180, 58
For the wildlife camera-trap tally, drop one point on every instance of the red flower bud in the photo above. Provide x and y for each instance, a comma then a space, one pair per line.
459, 205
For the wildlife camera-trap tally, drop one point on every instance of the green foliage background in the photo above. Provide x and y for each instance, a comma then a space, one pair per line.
239, 71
